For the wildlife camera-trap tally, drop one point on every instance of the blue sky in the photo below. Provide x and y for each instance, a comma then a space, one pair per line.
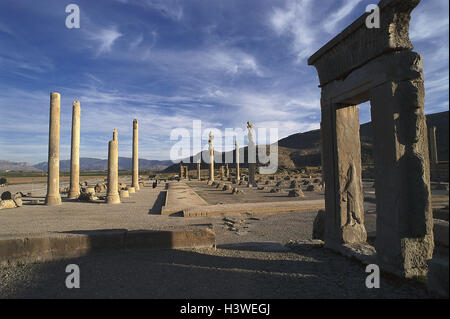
170, 62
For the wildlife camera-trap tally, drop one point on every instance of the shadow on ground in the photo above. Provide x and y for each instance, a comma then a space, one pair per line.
246, 270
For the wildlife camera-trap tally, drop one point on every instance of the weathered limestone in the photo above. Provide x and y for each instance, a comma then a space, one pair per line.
135, 173
238, 176
363, 64
211, 155
112, 195
433, 147
251, 155
184, 172
227, 171
53, 197
74, 191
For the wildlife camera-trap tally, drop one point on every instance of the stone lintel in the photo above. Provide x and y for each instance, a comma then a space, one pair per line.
357, 44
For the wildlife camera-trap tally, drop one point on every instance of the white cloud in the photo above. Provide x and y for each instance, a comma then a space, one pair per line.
104, 38
333, 20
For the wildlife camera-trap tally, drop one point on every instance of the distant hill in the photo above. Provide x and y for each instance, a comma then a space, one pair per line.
303, 149
16, 166
95, 164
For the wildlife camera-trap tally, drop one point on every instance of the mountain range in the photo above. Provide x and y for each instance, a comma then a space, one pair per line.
296, 150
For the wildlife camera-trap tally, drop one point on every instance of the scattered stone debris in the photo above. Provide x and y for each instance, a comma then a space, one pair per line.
87, 197
6, 195
313, 188
294, 184
100, 188
275, 190
227, 187
319, 225
237, 191
296, 193
10, 203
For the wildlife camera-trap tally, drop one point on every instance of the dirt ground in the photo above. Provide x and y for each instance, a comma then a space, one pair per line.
253, 259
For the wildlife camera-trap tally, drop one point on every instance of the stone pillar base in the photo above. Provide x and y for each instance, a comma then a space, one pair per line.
53, 200
113, 199
73, 195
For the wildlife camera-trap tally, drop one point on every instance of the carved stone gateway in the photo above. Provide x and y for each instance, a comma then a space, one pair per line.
377, 65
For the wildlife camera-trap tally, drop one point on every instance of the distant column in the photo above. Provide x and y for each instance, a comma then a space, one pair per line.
113, 172
211, 156
433, 147
222, 173
75, 152
199, 177
53, 197
135, 178
238, 176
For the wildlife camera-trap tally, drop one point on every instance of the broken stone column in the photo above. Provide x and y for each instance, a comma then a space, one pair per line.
115, 135
433, 147
135, 177
112, 196
211, 156
181, 171
222, 172
74, 191
199, 177
53, 197
227, 171
238, 176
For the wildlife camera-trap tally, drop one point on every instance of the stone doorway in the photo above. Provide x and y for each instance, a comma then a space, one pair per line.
377, 65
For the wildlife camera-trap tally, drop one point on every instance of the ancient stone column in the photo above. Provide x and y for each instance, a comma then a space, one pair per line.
433, 147
135, 177
238, 176
181, 171
53, 197
211, 156
115, 135
74, 191
113, 172
199, 177
251, 151
227, 171
222, 172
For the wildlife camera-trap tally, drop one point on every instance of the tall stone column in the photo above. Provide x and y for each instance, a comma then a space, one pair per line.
74, 191
238, 176
433, 147
113, 172
135, 177
211, 156
251, 152
53, 197
199, 177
